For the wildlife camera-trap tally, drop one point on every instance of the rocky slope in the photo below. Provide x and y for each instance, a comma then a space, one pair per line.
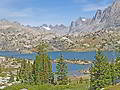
102, 31
18, 37
108, 18
103, 39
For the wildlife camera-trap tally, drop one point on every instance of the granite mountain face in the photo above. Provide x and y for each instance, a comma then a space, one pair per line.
109, 18
102, 30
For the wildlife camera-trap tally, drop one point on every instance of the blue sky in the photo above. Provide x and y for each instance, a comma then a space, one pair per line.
38, 12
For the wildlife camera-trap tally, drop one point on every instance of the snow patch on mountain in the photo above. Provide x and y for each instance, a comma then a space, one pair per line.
83, 20
47, 28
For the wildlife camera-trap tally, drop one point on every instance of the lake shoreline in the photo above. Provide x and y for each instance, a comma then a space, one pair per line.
81, 62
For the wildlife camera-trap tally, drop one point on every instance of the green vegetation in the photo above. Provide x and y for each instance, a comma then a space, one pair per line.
38, 75
39, 72
42, 69
104, 73
82, 86
61, 71
116, 87
42, 47
24, 73
0, 69
100, 74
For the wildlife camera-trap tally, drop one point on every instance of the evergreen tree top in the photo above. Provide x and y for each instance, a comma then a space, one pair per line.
42, 47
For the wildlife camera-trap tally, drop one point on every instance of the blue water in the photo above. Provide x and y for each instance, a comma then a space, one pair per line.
54, 55
67, 55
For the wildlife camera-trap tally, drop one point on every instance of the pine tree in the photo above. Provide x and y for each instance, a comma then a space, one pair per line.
42, 65
41, 48
29, 72
118, 67
22, 71
0, 69
117, 64
43, 68
25, 72
34, 74
40, 71
61, 71
100, 72
113, 72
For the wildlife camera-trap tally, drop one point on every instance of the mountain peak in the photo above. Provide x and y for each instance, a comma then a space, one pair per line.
116, 5
108, 18
98, 14
4, 20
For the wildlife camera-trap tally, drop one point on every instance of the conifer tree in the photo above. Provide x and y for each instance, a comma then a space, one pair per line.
0, 69
25, 72
34, 72
100, 72
61, 71
113, 72
22, 71
118, 67
29, 72
42, 65
117, 64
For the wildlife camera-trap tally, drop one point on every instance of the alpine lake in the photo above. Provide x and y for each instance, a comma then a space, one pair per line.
72, 68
